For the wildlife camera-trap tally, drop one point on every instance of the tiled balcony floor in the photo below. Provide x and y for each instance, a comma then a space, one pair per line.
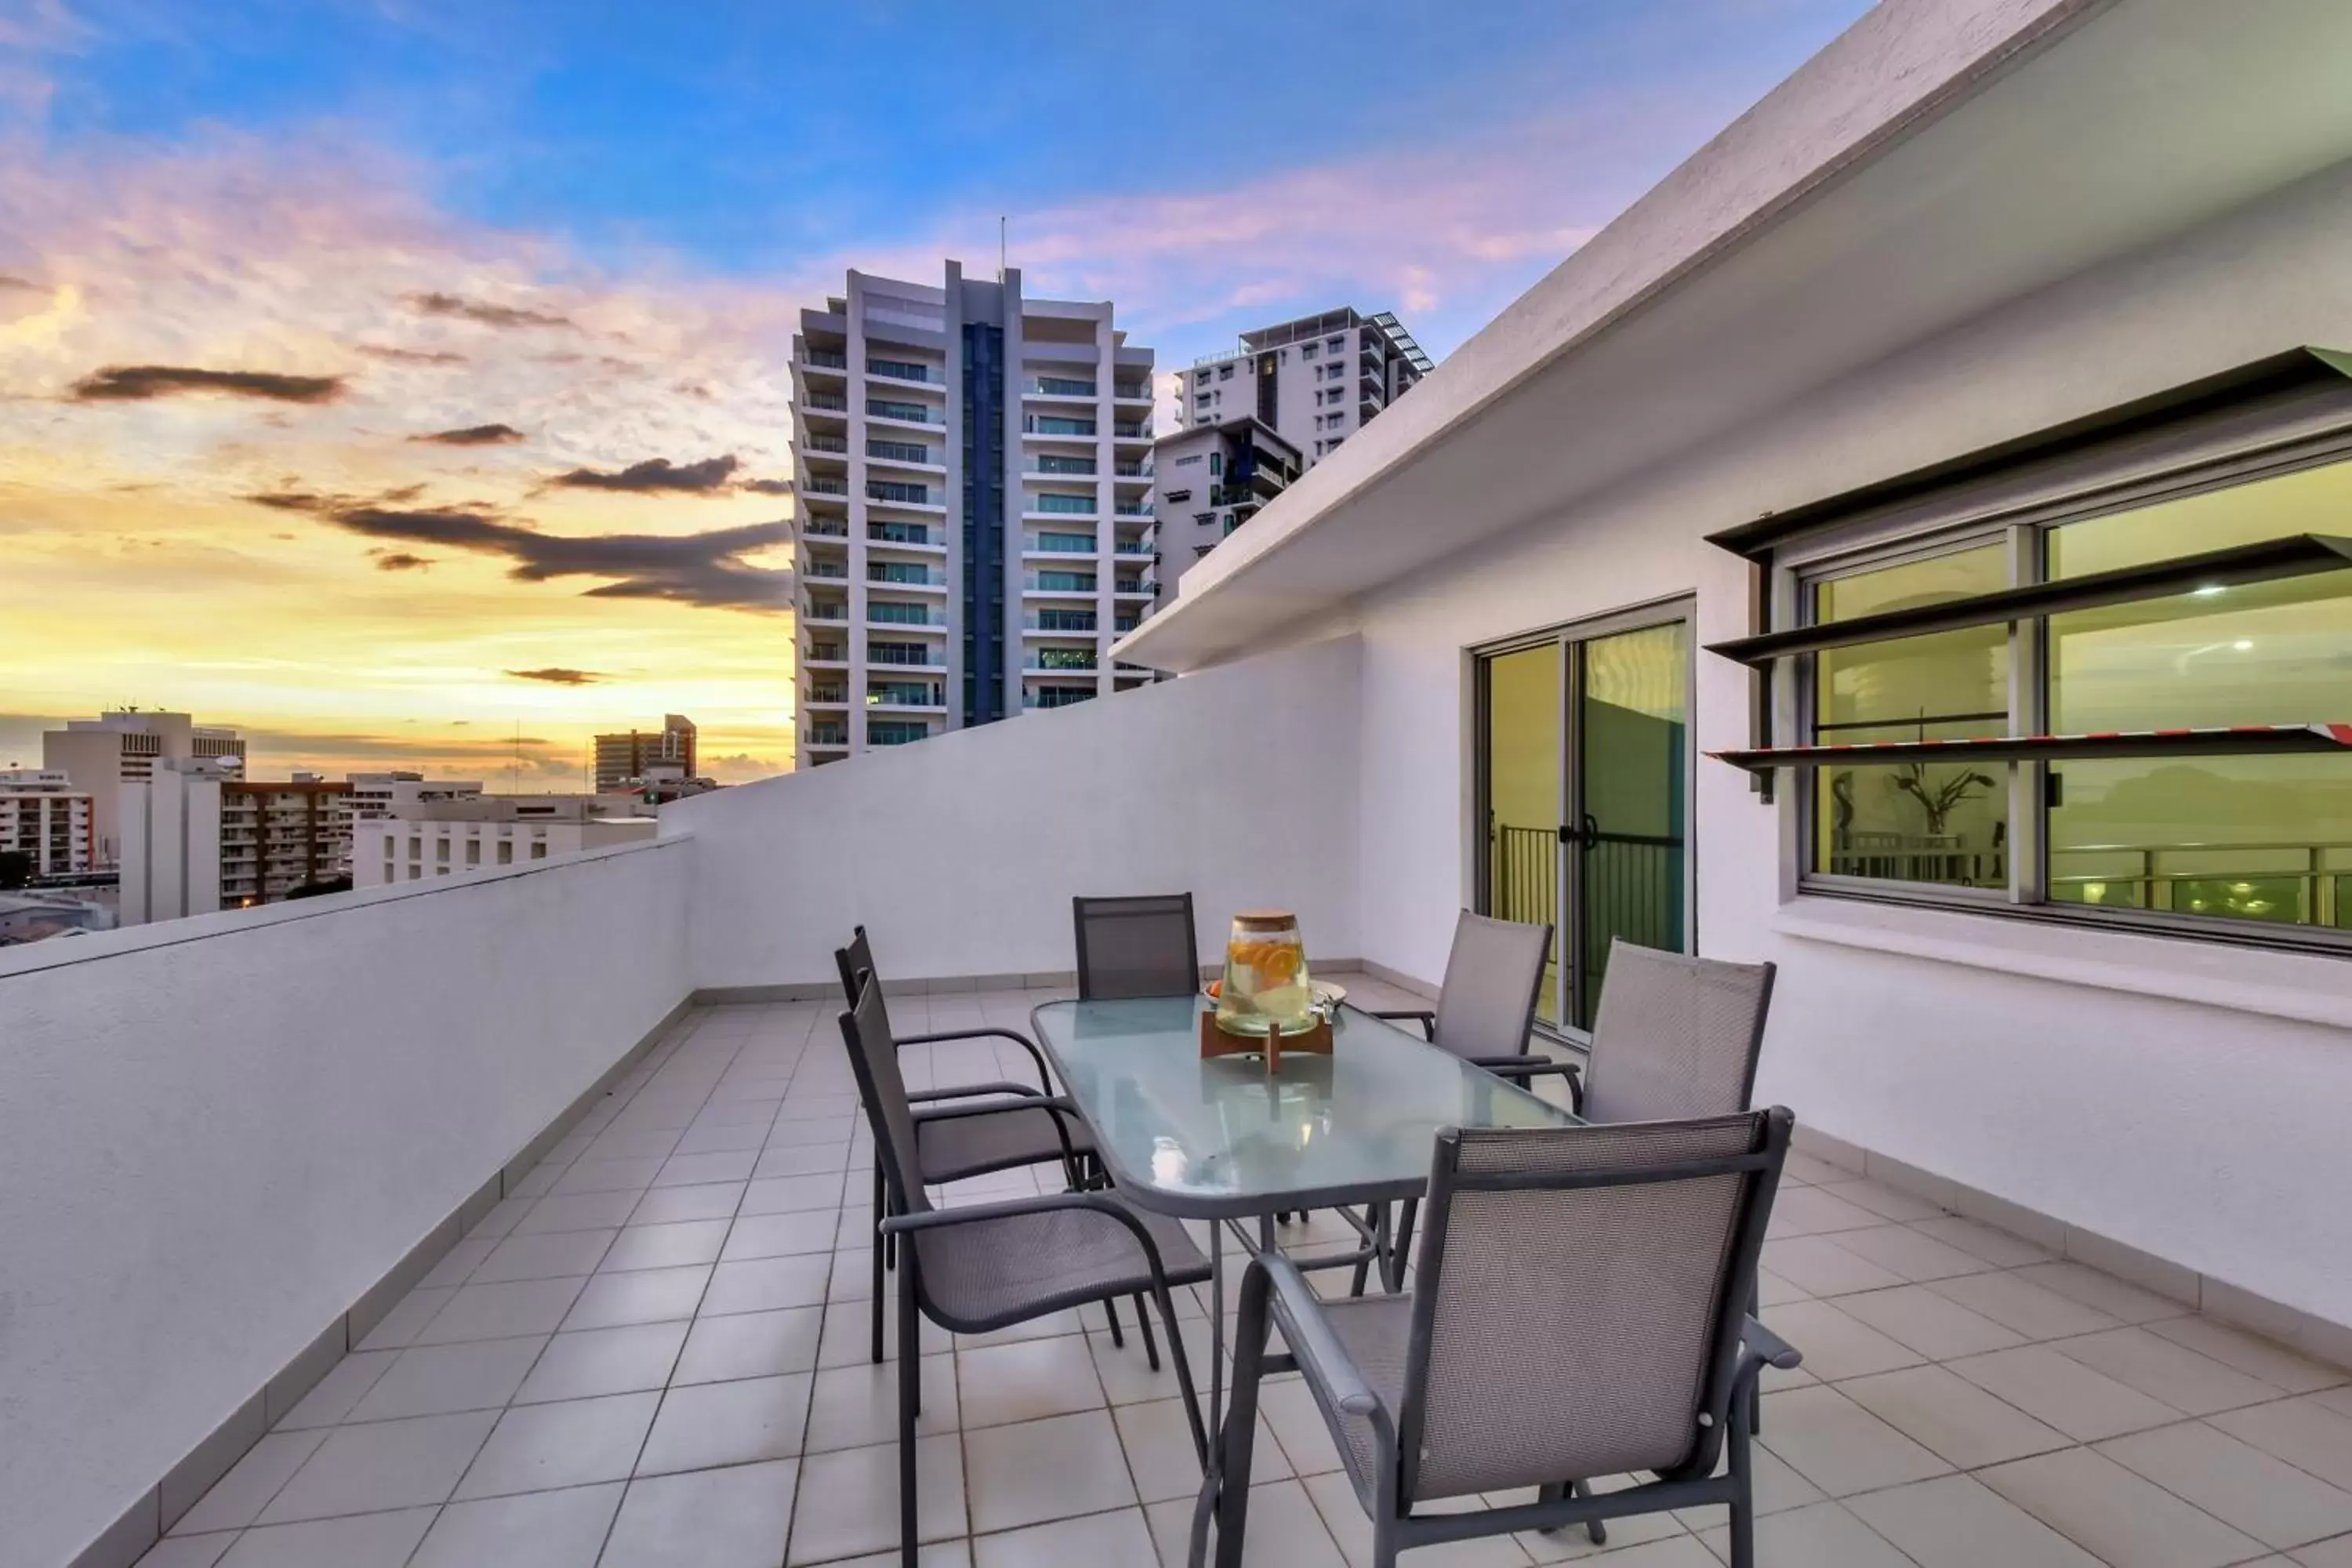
658, 1357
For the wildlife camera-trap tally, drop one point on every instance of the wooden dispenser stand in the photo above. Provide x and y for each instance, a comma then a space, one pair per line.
1314, 1040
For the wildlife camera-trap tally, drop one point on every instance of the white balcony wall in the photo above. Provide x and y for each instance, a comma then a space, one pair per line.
216, 1134
961, 853
2182, 1098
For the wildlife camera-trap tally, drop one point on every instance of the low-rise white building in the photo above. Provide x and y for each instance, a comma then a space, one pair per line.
43, 814
383, 794
435, 838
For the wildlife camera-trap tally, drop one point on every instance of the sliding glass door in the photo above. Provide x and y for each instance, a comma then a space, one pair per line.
1584, 743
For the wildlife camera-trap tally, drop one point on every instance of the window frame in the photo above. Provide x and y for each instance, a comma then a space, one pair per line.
2022, 510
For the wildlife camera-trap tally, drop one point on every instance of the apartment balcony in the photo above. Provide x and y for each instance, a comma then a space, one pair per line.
885, 615
890, 411
901, 575
826, 696
906, 455
1051, 659
1048, 387
825, 444
1049, 426
825, 527
815, 485
825, 654
910, 535
820, 402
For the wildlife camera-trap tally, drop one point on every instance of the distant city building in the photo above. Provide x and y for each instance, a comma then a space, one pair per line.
662, 782
627, 756
36, 915
1315, 381
974, 486
102, 754
44, 816
435, 838
196, 840
381, 795
1210, 478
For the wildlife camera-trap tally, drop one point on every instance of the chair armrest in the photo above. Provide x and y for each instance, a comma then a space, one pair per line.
1044, 1079
1760, 1347
1317, 1351
1768, 1347
968, 1091
1422, 1016
1518, 1069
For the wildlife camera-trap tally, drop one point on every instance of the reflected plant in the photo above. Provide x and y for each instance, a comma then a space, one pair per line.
1939, 799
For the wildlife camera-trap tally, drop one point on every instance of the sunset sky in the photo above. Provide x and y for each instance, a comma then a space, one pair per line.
404, 381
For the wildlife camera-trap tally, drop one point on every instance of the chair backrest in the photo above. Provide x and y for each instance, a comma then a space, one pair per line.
1675, 1036
1141, 946
1579, 1297
1493, 976
874, 1057
853, 960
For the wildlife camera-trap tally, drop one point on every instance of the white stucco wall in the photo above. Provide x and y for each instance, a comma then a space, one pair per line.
2182, 1098
961, 854
216, 1134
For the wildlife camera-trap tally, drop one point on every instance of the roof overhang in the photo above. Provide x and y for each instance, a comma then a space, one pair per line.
1931, 164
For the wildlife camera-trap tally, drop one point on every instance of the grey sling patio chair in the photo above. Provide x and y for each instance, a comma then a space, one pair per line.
1009, 1129
1626, 1253
1136, 946
976, 1269
1485, 1009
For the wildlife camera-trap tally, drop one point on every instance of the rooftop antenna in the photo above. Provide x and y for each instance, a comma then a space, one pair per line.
1001, 267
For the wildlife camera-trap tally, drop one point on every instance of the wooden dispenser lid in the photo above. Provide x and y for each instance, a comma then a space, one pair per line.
1266, 920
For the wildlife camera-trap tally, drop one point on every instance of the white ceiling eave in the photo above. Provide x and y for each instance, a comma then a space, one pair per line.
1936, 160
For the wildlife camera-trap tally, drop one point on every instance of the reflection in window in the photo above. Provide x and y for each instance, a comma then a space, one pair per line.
2254, 838
1914, 822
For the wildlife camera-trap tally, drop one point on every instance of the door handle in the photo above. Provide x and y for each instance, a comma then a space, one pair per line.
1568, 835
1590, 839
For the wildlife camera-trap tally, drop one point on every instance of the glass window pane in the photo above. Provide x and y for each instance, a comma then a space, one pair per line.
1915, 822
1524, 748
2258, 838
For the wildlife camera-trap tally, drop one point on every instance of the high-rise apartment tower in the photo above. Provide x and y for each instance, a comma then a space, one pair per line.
973, 476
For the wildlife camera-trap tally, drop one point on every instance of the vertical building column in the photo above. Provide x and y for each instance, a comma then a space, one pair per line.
854, 629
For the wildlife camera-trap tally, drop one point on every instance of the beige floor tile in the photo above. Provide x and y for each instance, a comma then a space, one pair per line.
1284, 1531
1837, 1446
365, 1540
1811, 1211
1818, 1266
2080, 1401
1952, 1418
331, 1397
1836, 1344
382, 1465
732, 1518
188, 1551
2115, 1515
1041, 1471
2249, 1353
2268, 1499
1343, 1516
668, 1205
750, 1345
1672, 1552
765, 1284
2164, 1371
2023, 1307
954, 1553
552, 1256
780, 1235
1912, 1254
858, 1405
237, 1499
501, 1312
2118, 1299
1887, 1203
538, 1447
1164, 1464
2336, 1553
1995, 1246
1289, 1408
1127, 1376
1122, 1537
1823, 1535
679, 1245
1026, 1380
737, 1422
536, 1529
847, 1504
2303, 1432
1955, 1522
434, 1380
587, 1211
1936, 1326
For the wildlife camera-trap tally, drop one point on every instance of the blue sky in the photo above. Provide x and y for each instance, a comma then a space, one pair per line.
338, 337
747, 139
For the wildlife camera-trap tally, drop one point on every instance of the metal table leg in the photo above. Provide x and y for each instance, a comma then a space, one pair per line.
1205, 1506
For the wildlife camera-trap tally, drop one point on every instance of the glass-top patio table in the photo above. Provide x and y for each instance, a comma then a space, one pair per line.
1225, 1140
